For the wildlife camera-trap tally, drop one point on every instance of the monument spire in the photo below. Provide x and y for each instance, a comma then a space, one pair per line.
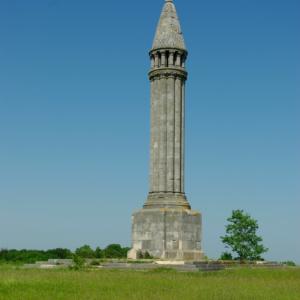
168, 32
167, 77
166, 227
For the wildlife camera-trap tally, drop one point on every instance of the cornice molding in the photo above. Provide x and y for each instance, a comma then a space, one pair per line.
168, 72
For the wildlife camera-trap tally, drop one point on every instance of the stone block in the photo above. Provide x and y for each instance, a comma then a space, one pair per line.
167, 233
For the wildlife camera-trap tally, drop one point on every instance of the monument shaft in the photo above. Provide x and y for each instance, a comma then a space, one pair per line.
166, 227
167, 132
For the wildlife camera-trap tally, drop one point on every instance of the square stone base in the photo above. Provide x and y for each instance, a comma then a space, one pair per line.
167, 233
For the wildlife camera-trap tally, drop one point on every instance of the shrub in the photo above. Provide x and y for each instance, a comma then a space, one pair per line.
32, 256
78, 262
85, 251
59, 253
24, 256
289, 263
226, 256
143, 255
139, 254
114, 251
147, 255
99, 253
95, 262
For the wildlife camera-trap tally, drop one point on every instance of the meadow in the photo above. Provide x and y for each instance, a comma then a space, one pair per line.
239, 283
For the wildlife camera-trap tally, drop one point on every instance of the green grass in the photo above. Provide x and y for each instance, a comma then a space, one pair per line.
22, 284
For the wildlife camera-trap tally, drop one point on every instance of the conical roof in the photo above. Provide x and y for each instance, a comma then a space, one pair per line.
168, 32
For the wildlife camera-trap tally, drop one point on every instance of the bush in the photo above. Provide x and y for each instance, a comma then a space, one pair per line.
139, 254
78, 262
143, 255
23, 256
226, 256
95, 262
32, 256
59, 253
147, 255
115, 251
99, 253
289, 263
85, 251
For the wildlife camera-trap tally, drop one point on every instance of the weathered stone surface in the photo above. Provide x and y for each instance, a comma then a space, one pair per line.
166, 200
167, 233
168, 33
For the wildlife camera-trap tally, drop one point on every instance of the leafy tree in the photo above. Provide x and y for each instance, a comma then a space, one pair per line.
85, 251
242, 238
31, 256
59, 253
125, 251
114, 251
23, 256
289, 263
99, 253
226, 256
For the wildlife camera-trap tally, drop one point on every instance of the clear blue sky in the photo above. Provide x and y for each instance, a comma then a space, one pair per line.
74, 119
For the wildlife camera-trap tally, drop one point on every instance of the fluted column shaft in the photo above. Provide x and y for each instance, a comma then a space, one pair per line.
162, 133
178, 136
167, 134
182, 144
154, 184
170, 133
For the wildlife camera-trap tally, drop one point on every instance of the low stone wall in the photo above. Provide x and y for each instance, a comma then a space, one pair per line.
150, 264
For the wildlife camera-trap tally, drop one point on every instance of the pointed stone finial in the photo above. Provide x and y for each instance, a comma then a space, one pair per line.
168, 32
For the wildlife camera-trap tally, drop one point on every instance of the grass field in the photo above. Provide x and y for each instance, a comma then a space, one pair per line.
157, 284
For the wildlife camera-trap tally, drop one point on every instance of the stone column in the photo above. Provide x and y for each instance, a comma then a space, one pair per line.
151, 135
152, 61
178, 60
171, 133
163, 59
171, 59
155, 135
182, 134
156, 60
178, 135
163, 133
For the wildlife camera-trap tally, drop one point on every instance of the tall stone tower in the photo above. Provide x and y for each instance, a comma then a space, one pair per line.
166, 227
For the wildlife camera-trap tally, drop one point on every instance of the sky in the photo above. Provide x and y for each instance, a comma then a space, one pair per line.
75, 118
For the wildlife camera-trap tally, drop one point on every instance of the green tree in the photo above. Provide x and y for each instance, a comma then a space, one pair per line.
226, 256
78, 262
114, 251
99, 253
242, 238
59, 253
85, 251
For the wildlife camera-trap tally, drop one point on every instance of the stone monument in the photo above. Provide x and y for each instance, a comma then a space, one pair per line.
166, 227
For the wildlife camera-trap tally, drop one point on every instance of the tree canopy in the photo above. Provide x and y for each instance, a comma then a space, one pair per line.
241, 236
86, 251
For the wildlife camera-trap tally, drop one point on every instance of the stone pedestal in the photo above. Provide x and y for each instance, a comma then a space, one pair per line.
167, 233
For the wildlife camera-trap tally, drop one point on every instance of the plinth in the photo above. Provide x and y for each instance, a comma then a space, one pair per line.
167, 233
